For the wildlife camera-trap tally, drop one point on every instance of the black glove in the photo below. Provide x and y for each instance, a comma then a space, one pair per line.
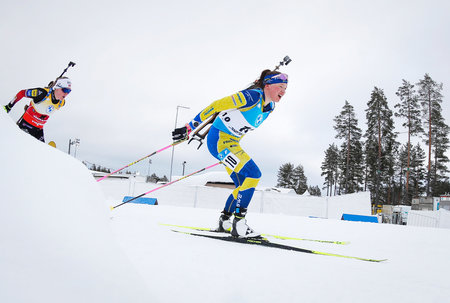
180, 133
7, 107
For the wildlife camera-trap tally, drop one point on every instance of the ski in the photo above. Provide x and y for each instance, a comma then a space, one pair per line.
264, 235
261, 241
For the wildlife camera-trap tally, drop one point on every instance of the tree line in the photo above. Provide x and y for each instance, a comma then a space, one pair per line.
98, 168
394, 172
294, 177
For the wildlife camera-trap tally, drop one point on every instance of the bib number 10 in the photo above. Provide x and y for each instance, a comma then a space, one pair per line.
229, 159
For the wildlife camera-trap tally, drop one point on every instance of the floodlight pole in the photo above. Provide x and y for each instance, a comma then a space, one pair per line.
173, 148
184, 164
72, 142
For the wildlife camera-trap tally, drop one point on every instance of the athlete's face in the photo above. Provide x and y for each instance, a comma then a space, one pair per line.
60, 94
274, 92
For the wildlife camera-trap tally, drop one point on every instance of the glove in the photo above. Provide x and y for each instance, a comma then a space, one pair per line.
181, 133
7, 107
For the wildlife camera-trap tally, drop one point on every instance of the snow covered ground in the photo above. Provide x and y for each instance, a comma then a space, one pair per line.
60, 242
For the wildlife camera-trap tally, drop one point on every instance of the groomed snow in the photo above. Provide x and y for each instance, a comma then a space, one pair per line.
60, 242
56, 240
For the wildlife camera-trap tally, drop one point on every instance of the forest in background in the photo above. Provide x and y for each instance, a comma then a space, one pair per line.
393, 171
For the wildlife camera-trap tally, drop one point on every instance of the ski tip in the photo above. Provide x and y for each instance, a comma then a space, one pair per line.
182, 232
303, 239
382, 260
372, 260
111, 207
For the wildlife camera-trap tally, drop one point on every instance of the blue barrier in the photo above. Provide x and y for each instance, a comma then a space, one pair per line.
359, 218
141, 200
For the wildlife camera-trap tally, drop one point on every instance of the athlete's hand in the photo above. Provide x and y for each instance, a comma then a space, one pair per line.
181, 133
7, 107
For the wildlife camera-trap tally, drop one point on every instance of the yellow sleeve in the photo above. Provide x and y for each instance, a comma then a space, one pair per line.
234, 101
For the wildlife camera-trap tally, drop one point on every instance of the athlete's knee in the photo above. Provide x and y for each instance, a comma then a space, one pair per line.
249, 183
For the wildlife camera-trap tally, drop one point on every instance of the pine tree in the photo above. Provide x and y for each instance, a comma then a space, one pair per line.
418, 171
300, 180
351, 168
330, 169
290, 177
380, 146
286, 176
403, 160
347, 129
439, 169
430, 98
409, 108
153, 178
314, 191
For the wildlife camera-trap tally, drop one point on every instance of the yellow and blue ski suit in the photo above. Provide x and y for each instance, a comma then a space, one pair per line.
237, 114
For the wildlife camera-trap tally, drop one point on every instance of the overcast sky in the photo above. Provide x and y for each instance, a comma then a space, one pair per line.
137, 60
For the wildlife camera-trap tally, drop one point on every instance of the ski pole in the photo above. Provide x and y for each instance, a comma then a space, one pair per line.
153, 153
194, 133
167, 184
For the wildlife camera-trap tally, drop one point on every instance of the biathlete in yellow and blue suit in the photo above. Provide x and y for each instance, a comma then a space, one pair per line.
236, 115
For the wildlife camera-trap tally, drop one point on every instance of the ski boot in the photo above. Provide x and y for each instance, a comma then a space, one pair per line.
240, 228
224, 222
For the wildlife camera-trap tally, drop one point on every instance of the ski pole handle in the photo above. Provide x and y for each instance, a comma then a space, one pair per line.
196, 135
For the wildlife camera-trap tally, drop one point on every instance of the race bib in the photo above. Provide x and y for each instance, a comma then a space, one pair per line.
229, 159
235, 122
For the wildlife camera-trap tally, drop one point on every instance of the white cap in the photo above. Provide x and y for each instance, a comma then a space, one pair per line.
63, 83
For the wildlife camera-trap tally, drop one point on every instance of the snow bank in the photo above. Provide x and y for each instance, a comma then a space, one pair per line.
56, 241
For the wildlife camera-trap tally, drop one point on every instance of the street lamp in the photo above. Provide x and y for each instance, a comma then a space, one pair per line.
173, 147
184, 164
148, 173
